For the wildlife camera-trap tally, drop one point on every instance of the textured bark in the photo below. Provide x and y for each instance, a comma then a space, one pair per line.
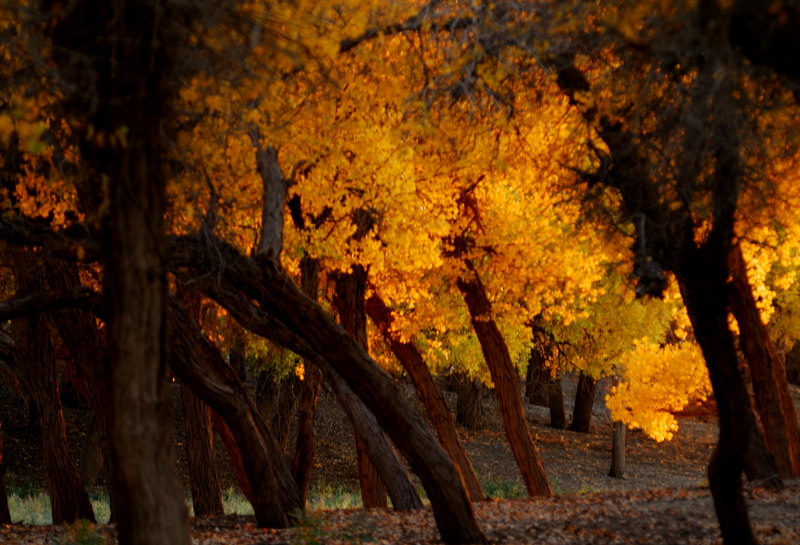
371, 439
773, 398
276, 399
236, 458
203, 475
309, 393
537, 379
617, 470
201, 367
33, 364
584, 401
349, 303
91, 461
506, 383
704, 293
429, 394
288, 317
759, 464
124, 81
469, 401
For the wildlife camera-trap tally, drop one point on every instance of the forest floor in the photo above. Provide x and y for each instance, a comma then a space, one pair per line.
661, 500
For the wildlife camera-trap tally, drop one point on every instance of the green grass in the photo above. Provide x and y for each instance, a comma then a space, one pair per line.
32, 506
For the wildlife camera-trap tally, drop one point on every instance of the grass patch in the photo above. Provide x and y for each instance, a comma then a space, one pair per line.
504, 490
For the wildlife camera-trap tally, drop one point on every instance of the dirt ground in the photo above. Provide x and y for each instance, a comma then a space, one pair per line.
661, 500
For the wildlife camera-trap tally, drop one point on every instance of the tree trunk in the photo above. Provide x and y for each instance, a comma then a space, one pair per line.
276, 398
236, 459
290, 318
201, 367
349, 303
555, 401
469, 401
91, 462
759, 464
506, 383
34, 366
375, 446
584, 402
618, 436
702, 280
792, 363
429, 394
773, 398
309, 393
203, 476
537, 379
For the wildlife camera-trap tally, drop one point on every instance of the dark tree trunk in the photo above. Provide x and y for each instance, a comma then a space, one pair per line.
759, 464
91, 462
584, 402
203, 475
5, 515
469, 401
288, 317
429, 393
506, 383
201, 367
555, 400
349, 301
375, 446
309, 393
702, 280
617, 470
276, 398
125, 82
34, 366
792, 363
773, 399
537, 379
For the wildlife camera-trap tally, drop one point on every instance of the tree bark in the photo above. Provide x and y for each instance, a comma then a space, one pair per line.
349, 303
203, 475
276, 398
469, 401
759, 464
429, 394
703, 287
618, 436
506, 383
200, 366
537, 379
91, 461
236, 460
584, 402
288, 317
773, 398
123, 82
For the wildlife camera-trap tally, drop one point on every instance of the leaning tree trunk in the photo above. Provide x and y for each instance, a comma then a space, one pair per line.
203, 475
773, 398
200, 366
349, 302
288, 317
584, 401
506, 384
236, 459
704, 293
429, 394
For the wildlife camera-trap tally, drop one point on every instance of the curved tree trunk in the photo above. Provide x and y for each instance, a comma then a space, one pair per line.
288, 317
584, 402
773, 399
705, 295
506, 383
200, 366
429, 394
203, 475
